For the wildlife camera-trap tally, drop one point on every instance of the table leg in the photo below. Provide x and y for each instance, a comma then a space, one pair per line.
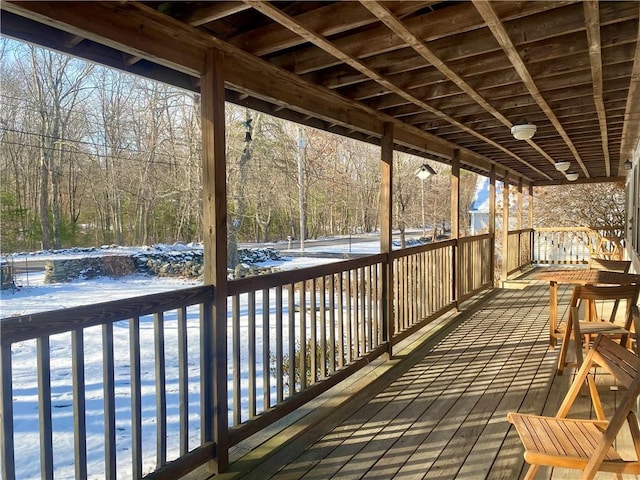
553, 313
562, 358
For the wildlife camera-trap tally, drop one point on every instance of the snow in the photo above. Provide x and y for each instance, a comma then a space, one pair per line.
35, 296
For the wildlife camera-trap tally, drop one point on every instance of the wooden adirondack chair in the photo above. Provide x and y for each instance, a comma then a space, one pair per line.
581, 444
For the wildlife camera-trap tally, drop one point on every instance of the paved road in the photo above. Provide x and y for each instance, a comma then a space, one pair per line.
361, 238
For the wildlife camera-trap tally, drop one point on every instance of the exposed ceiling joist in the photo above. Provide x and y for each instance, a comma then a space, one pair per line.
499, 32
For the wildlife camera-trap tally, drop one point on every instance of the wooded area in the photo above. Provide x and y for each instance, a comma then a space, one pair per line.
93, 156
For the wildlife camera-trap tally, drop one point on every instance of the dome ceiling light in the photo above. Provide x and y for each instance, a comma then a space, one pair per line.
562, 166
524, 131
572, 176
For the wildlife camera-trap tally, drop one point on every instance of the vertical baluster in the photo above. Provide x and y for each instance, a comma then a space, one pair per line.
235, 339
313, 341
266, 377
421, 289
323, 328
279, 349
251, 334
161, 390
183, 380
341, 337
369, 296
292, 340
303, 336
207, 378
109, 402
361, 275
79, 405
44, 407
399, 276
332, 324
136, 397
349, 317
353, 274
374, 303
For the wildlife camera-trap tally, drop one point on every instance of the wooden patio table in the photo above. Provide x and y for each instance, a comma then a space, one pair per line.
577, 276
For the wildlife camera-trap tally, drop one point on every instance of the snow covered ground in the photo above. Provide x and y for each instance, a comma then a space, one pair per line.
35, 296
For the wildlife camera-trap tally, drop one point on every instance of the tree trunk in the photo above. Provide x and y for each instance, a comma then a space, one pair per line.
44, 202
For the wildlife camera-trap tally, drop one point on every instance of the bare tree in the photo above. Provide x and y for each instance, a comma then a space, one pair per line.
55, 85
598, 204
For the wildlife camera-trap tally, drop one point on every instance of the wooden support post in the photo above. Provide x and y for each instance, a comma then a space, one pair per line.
505, 227
492, 221
386, 211
520, 209
520, 204
530, 225
214, 363
455, 223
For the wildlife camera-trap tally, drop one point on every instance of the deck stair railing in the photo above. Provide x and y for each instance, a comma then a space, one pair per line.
141, 368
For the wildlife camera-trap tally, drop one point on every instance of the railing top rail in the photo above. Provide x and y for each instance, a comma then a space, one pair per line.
522, 230
26, 327
582, 229
405, 252
260, 282
474, 238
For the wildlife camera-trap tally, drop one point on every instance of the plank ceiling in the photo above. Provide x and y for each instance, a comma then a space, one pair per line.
451, 76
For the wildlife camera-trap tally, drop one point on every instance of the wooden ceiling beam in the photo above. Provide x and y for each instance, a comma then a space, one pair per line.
592, 22
457, 55
410, 39
430, 79
447, 22
210, 12
631, 128
290, 23
71, 41
496, 26
272, 38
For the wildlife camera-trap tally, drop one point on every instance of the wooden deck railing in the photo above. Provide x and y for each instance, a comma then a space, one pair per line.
475, 264
570, 245
520, 246
422, 284
110, 372
291, 335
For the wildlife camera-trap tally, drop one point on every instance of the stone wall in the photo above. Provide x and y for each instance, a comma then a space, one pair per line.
186, 264
66, 270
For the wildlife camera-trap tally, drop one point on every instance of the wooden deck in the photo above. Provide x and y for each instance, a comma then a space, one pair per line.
439, 411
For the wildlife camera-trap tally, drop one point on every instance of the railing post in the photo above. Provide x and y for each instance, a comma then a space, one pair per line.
6, 414
386, 212
505, 227
492, 223
215, 402
455, 224
530, 225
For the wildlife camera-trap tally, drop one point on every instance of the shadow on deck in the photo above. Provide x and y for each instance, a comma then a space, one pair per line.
437, 410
